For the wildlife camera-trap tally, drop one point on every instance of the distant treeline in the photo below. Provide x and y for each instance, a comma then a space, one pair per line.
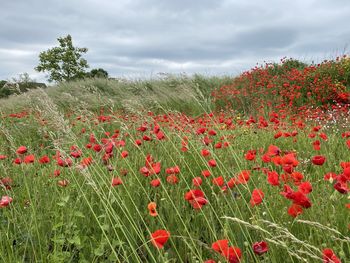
8, 88
24, 83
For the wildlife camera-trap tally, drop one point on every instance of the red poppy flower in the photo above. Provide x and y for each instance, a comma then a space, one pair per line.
172, 170
205, 152
257, 197
198, 202
288, 168
155, 183
323, 136
97, 148
206, 173
145, 171
243, 176
21, 150
63, 183
250, 155
124, 154
232, 182
219, 181
29, 159
266, 158
56, 173
297, 177
138, 142
341, 187
294, 210
192, 194
301, 199
196, 198
116, 181
212, 132
232, 254
44, 159
276, 160
152, 209
220, 245
147, 138
172, 179
155, 168
318, 160
218, 145
5, 201
201, 130
329, 256
86, 161
64, 162
330, 176
76, 154
212, 163
197, 181
278, 134
7, 181
317, 145
160, 135
287, 192
273, 150
316, 128
260, 248
346, 172
290, 159
273, 178
305, 187
159, 238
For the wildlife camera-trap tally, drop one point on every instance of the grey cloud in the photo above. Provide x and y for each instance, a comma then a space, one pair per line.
142, 37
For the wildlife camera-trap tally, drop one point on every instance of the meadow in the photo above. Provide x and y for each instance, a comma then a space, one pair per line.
254, 168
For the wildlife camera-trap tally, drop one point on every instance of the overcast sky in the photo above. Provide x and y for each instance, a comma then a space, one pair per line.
144, 37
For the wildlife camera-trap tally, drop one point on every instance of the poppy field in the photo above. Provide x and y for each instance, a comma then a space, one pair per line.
260, 175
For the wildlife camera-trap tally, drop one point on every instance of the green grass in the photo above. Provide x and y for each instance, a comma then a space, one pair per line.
91, 221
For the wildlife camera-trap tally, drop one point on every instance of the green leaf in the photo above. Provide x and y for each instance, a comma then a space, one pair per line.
99, 251
61, 204
65, 198
58, 225
79, 214
75, 240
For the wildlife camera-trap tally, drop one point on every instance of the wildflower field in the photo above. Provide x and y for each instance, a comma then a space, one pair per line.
250, 169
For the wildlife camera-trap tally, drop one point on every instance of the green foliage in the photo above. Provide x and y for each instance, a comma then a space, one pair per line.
5, 92
18, 85
2, 83
291, 63
291, 84
176, 93
91, 221
63, 63
97, 73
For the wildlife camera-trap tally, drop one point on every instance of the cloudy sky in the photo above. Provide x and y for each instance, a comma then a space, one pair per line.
140, 38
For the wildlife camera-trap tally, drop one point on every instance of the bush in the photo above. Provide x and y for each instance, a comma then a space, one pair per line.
292, 84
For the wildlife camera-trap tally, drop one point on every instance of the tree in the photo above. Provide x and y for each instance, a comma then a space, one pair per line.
63, 63
22, 78
97, 73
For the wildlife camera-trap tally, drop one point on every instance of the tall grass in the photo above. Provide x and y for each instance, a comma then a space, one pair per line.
91, 221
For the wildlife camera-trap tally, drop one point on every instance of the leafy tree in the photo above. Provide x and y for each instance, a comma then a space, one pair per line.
22, 78
2, 83
97, 73
64, 62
